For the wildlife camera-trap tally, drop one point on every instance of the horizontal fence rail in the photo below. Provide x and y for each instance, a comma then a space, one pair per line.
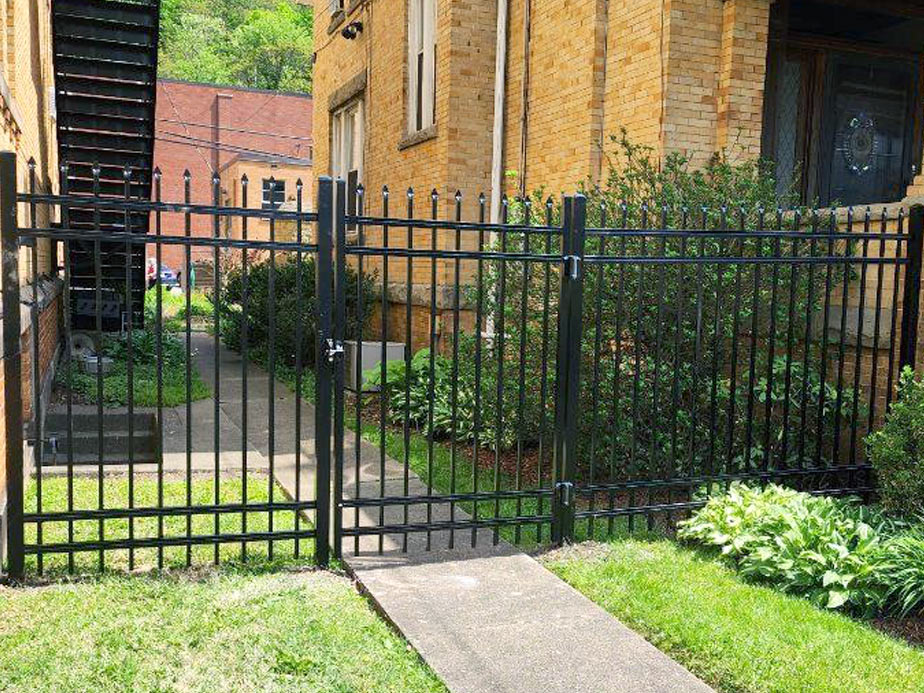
391, 372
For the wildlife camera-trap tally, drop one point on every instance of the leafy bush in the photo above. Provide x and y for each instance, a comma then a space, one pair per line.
897, 449
657, 336
290, 305
408, 394
824, 549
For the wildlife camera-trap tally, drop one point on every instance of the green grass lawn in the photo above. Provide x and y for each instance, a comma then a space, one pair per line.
116, 494
737, 637
225, 630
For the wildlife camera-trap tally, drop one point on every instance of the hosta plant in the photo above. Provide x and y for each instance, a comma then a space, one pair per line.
818, 547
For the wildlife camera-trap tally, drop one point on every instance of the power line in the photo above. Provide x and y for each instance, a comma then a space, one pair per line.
188, 141
186, 124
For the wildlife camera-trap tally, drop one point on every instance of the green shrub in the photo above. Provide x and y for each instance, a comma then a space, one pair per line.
897, 450
656, 337
408, 394
290, 305
824, 549
901, 570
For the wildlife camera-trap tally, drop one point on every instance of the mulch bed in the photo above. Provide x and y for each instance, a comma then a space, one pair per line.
910, 629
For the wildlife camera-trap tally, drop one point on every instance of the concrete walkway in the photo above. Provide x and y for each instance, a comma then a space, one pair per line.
489, 619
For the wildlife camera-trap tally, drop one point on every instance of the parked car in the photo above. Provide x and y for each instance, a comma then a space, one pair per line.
168, 277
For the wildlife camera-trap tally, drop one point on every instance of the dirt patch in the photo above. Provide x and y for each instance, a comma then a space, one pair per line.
911, 630
585, 551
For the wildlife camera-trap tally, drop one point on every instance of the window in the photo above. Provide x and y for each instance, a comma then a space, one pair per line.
335, 6
274, 193
421, 63
347, 148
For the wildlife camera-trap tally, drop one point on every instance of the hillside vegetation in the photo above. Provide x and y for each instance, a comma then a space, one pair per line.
266, 44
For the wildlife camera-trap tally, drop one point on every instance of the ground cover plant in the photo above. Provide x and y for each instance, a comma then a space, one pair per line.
144, 349
173, 310
737, 636
837, 553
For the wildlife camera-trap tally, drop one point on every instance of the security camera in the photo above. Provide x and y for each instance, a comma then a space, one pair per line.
352, 30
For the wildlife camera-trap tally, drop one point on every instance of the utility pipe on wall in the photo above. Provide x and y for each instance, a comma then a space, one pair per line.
500, 86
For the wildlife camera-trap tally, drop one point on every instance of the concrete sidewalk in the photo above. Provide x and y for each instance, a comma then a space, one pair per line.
489, 619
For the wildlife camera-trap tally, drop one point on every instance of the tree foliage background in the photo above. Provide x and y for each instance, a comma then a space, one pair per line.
265, 44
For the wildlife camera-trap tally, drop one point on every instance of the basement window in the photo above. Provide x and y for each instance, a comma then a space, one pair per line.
421, 61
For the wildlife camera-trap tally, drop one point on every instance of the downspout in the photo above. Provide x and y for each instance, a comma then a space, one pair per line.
500, 84
524, 96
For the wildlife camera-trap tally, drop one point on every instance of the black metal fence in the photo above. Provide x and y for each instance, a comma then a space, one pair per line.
573, 372
565, 373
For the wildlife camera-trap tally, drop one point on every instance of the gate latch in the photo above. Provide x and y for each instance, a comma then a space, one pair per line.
565, 491
573, 266
334, 350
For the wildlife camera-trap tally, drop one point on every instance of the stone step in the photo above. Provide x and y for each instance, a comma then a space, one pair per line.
85, 444
88, 421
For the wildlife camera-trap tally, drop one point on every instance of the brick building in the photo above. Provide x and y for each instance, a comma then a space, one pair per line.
27, 127
460, 95
209, 129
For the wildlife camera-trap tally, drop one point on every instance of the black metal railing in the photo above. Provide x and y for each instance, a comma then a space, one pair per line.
566, 372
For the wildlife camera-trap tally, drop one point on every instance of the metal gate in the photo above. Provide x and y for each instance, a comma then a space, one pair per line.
196, 466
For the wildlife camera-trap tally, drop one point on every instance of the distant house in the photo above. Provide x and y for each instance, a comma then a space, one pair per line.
209, 129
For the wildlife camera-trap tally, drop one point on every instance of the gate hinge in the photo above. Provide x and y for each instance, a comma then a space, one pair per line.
334, 350
573, 266
565, 490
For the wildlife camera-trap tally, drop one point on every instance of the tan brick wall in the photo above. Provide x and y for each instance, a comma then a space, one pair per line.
256, 171
743, 69
27, 127
679, 75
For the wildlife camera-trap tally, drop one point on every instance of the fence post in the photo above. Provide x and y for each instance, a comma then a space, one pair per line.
568, 368
12, 375
339, 365
911, 301
323, 366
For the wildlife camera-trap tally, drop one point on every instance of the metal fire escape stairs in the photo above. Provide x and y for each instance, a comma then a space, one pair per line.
105, 63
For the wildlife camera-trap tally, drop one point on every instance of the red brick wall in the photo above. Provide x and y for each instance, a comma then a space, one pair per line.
50, 327
202, 109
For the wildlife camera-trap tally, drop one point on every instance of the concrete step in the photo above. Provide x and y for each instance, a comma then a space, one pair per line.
114, 442
88, 421
85, 443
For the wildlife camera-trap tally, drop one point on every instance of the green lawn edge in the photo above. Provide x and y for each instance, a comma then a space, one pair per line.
738, 637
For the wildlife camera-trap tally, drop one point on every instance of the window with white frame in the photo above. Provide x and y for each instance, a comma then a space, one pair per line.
347, 148
421, 62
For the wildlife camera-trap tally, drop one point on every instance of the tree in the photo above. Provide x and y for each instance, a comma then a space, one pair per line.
266, 44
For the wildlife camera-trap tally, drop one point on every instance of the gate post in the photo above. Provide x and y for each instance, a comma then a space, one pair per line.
323, 367
339, 366
12, 376
568, 368
911, 301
